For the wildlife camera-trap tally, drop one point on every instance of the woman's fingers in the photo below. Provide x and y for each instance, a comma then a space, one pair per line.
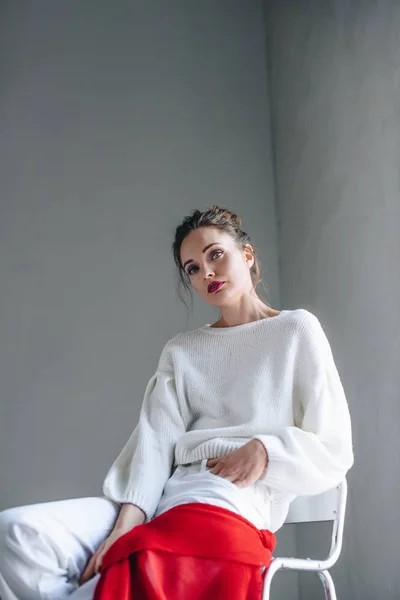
223, 467
211, 462
88, 572
98, 560
93, 565
220, 469
99, 556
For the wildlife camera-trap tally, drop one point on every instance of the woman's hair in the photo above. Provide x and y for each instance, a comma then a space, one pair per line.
224, 220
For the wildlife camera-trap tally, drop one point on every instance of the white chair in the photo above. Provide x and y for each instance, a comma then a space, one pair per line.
329, 506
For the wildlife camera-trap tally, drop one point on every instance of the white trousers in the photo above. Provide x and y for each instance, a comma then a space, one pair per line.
45, 547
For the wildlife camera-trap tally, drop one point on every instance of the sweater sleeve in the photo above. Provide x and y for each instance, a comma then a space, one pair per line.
315, 453
141, 470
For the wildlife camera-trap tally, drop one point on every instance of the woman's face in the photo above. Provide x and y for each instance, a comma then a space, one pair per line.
208, 254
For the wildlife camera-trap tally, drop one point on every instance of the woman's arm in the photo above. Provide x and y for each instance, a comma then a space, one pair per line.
316, 452
141, 470
129, 517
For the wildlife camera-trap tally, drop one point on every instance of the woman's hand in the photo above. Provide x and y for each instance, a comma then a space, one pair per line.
94, 564
242, 466
129, 517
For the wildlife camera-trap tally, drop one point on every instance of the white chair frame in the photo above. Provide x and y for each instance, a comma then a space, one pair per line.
329, 506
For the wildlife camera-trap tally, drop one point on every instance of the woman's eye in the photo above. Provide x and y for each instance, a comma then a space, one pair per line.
190, 270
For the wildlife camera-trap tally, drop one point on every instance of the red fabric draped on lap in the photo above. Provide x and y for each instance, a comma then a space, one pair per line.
197, 551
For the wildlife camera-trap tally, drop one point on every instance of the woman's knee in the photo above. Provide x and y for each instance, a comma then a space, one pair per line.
28, 563
10, 520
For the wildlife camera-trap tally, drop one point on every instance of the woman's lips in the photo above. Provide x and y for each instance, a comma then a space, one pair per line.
216, 287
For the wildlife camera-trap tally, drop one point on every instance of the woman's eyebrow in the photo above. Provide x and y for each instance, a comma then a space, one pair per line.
204, 250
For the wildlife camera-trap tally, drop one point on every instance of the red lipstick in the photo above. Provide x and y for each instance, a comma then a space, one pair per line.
214, 286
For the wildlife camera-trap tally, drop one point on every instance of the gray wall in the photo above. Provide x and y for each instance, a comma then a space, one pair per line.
335, 85
117, 119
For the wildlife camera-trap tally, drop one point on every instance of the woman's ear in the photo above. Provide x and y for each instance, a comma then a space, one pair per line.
248, 254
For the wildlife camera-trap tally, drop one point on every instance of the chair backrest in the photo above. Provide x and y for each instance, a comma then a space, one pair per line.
328, 506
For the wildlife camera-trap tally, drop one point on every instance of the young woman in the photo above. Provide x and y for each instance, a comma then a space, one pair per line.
244, 414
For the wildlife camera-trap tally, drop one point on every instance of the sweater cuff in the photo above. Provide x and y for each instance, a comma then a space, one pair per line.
137, 499
272, 475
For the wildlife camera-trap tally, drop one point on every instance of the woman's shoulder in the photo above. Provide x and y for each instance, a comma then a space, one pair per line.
299, 319
175, 342
296, 316
311, 333
304, 328
304, 317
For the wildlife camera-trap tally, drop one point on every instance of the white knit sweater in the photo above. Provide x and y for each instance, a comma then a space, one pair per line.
217, 388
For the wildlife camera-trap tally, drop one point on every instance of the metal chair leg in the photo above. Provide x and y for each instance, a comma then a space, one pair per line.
267, 577
329, 586
277, 564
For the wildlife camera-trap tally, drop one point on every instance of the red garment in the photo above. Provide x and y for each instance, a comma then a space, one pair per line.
197, 551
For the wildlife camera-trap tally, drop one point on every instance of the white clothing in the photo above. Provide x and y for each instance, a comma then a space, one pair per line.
215, 389
45, 547
196, 483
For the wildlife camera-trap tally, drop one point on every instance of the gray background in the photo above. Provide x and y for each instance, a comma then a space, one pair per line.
334, 72
116, 120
